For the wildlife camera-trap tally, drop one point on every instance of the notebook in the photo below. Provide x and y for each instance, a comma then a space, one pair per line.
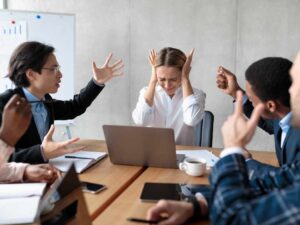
82, 160
19, 203
141, 146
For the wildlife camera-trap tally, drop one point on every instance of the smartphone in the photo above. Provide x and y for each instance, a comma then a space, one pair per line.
92, 187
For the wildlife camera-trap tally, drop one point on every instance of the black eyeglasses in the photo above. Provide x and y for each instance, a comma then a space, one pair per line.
55, 69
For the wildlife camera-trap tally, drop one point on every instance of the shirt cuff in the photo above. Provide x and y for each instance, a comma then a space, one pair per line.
201, 197
95, 82
245, 99
43, 154
5, 152
23, 168
231, 150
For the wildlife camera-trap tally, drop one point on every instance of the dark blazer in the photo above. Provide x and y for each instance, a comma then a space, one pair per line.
28, 148
288, 154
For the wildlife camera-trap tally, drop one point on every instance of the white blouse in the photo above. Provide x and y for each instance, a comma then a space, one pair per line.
181, 115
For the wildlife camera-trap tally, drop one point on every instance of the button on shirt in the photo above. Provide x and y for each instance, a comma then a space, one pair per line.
39, 113
181, 115
285, 124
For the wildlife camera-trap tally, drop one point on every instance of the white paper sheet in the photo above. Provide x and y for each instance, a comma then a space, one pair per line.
21, 190
19, 210
210, 158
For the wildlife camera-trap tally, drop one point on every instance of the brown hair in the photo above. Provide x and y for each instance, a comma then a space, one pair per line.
172, 57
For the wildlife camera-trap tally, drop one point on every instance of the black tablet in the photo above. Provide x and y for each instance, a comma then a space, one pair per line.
172, 191
156, 191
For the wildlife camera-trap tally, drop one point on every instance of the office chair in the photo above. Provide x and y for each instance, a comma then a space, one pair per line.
205, 129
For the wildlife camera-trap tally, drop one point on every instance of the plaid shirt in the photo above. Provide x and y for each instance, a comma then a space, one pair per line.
273, 199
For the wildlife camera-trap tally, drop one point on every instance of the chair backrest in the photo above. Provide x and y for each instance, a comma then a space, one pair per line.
206, 127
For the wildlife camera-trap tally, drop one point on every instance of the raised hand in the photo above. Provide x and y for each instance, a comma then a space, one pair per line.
227, 82
149, 94
237, 131
107, 72
41, 173
54, 149
16, 118
186, 69
152, 60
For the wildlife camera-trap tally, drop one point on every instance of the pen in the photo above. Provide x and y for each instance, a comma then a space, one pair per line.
137, 220
76, 157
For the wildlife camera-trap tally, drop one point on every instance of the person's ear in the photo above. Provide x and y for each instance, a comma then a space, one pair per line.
30, 74
271, 106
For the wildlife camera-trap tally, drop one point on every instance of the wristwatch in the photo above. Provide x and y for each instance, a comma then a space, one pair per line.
196, 206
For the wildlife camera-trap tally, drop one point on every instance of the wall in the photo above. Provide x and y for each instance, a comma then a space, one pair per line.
232, 33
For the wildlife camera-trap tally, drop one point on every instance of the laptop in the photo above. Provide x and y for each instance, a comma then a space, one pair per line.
141, 146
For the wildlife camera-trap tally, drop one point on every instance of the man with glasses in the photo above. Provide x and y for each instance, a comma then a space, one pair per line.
34, 70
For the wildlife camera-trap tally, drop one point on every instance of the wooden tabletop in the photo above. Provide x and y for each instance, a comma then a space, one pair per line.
128, 203
116, 178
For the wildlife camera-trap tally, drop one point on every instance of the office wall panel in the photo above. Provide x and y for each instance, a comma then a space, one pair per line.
232, 33
266, 28
207, 26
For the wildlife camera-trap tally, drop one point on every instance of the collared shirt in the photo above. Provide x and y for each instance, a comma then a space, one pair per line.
285, 124
39, 113
183, 115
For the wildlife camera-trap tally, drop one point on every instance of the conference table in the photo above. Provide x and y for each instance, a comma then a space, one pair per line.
124, 184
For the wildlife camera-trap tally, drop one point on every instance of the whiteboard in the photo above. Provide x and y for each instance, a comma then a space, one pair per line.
52, 29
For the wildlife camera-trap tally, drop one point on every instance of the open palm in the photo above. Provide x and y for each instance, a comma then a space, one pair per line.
107, 72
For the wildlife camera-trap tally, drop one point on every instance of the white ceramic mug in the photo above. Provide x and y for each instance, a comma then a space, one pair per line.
193, 166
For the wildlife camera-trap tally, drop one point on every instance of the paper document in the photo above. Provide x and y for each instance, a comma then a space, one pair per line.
19, 202
19, 210
210, 158
21, 190
82, 160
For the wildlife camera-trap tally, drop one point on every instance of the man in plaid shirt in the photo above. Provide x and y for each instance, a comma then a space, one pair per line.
273, 199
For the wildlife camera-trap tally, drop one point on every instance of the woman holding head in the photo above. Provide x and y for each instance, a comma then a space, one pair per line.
170, 100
